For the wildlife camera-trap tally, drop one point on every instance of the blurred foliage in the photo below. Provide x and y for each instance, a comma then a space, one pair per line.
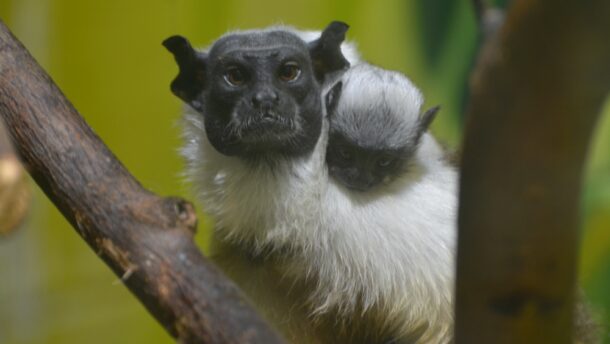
107, 58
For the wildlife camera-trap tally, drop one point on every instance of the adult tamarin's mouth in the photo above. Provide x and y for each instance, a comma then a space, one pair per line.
265, 127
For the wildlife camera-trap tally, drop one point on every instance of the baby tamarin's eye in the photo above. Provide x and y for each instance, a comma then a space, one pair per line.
289, 71
385, 162
235, 76
345, 154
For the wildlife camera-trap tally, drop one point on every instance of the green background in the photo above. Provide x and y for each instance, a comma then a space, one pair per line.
107, 58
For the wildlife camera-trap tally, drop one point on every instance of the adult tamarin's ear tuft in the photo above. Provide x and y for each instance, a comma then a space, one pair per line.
325, 51
190, 81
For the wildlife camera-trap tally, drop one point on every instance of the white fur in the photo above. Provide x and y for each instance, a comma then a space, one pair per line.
394, 251
389, 251
378, 106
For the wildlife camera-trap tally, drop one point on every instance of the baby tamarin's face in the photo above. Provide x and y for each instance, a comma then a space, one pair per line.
375, 126
361, 168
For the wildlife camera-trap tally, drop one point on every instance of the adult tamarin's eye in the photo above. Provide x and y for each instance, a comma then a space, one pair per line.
289, 71
234, 76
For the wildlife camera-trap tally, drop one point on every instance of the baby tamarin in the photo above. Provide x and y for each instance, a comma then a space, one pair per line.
376, 129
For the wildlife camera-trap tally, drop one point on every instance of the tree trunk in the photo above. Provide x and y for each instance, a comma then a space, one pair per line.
536, 95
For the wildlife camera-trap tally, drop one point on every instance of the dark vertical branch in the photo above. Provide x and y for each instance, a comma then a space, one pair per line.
536, 95
145, 239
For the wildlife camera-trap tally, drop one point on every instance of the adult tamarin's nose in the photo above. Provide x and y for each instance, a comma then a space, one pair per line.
265, 98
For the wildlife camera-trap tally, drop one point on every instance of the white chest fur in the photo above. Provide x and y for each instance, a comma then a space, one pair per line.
391, 251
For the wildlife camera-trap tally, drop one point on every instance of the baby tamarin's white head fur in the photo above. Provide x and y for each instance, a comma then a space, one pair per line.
375, 126
376, 101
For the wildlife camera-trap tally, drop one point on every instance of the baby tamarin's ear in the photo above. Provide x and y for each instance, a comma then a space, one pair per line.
425, 120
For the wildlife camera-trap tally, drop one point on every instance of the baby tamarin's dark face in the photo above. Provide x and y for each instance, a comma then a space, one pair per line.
361, 168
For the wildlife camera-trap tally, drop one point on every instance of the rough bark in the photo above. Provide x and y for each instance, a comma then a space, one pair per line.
144, 238
535, 97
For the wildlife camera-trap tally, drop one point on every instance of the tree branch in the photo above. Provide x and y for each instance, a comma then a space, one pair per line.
145, 239
536, 96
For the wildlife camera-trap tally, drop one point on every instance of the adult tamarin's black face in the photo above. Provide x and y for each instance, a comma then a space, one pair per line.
259, 91
263, 95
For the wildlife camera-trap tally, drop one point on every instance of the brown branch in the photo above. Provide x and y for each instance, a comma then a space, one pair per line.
535, 100
14, 189
145, 239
